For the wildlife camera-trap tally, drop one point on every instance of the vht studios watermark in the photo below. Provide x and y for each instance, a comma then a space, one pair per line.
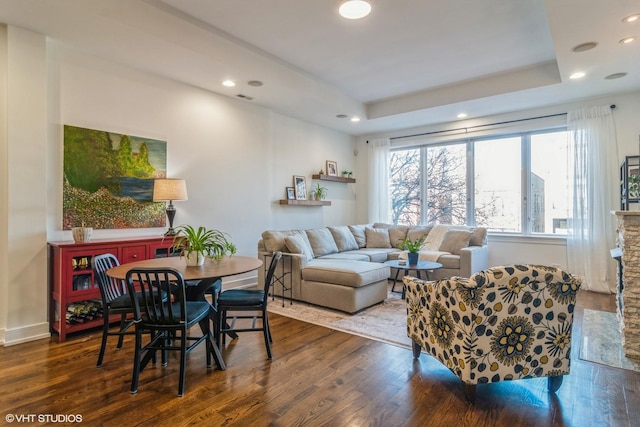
43, 418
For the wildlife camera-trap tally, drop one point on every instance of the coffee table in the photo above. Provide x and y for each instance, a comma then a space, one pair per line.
421, 266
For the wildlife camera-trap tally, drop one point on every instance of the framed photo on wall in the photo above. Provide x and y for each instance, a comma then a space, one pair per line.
300, 186
332, 168
291, 193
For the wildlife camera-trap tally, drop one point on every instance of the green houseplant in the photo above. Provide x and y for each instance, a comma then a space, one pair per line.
318, 192
195, 244
413, 247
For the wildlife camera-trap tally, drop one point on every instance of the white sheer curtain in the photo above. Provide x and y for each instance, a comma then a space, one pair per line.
594, 163
379, 180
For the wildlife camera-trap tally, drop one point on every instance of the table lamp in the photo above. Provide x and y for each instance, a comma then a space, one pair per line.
170, 189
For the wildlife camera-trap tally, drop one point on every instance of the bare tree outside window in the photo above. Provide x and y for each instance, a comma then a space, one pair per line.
446, 192
405, 186
447, 187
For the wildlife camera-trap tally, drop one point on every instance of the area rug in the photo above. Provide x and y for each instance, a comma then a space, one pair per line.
386, 322
602, 341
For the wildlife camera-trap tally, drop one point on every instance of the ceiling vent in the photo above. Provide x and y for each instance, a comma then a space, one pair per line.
248, 98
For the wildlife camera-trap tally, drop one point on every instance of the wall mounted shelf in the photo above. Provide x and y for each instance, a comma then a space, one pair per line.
305, 202
333, 178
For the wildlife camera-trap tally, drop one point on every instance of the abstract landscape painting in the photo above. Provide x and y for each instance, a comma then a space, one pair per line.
108, 180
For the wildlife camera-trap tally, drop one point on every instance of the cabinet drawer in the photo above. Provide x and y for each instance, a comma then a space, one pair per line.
133, 253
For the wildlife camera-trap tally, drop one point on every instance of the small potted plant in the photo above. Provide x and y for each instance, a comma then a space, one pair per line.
318, 192
195, 245
413, 247
345, 174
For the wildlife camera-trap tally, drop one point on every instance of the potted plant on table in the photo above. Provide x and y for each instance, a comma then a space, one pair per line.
413, 247
195, 245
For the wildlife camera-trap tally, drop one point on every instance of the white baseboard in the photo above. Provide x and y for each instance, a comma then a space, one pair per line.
25, 334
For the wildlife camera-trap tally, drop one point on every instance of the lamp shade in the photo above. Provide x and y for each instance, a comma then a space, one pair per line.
169, 189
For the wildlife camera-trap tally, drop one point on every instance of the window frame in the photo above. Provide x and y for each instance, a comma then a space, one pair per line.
525, 191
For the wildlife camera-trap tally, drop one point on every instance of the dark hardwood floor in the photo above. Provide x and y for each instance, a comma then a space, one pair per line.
318, 377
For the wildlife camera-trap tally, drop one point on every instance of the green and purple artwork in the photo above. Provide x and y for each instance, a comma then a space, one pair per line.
108, 180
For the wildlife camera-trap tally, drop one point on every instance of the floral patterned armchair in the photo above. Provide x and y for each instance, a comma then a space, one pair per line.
503, 323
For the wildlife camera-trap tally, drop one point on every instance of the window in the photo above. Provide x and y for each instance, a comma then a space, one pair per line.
511, 184
498, 185
549, 207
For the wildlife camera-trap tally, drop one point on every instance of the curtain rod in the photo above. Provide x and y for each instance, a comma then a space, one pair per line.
612, 106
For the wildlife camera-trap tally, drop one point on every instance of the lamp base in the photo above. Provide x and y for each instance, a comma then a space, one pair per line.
171, 213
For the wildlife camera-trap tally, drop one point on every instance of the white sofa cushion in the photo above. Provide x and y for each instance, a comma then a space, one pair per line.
344, 238
343, 272
377, 254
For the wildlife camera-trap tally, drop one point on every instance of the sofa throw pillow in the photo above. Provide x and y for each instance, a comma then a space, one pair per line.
435, 236
322, 242
274, 240
358, 234
478, 237
298, 244
344, 238
397, 234
454, 240
416, 232
377, 237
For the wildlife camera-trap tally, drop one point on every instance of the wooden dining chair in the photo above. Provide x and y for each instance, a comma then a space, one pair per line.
115, 300
242, 300
168, 320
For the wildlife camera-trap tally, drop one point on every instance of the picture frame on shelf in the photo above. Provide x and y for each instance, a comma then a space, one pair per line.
332, 168
300, 186
291, 193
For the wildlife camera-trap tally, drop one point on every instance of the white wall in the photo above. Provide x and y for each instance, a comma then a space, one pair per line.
4, 183
25, 283
510, 249
237, 159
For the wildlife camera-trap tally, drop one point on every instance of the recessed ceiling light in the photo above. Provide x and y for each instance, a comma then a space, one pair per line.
631, 18
615, 76
577, 75
462, 115
585, 46
354, 9
254, 83
229, 83
627, 39
355, 119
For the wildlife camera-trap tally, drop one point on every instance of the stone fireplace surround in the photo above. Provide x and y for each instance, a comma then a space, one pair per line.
628, 225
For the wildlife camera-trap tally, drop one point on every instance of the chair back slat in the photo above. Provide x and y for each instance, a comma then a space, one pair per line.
275, 257
110, 288
162, 295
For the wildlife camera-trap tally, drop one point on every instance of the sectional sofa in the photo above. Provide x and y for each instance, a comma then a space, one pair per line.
343, 267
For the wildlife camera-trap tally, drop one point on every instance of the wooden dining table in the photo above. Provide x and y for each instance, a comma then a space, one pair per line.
199, 279
207, 274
